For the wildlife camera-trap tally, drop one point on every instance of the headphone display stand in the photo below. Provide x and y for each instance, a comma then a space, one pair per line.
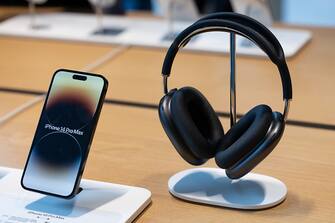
212, 186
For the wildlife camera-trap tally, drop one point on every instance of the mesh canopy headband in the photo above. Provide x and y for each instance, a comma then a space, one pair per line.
239, 24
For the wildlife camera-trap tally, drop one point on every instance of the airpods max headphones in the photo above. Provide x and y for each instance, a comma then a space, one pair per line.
191, 123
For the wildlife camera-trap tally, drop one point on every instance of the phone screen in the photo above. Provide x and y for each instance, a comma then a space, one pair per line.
64, 133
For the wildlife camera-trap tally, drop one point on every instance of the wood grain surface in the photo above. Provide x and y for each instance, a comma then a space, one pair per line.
135, 74
131, 148
30, 63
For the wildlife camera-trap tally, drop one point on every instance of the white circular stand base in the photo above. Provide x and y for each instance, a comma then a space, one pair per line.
212, 186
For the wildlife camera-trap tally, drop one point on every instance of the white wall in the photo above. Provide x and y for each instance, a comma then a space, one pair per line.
308, 12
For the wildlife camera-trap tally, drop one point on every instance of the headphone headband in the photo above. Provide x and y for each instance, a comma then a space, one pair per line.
240, 24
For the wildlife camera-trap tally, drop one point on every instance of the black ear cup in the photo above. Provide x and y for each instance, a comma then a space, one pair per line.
244, 136
173, 134
262, 150
196, 121
197, 134
191, 124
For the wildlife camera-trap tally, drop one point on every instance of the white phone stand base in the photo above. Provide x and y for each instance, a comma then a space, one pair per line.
211, 186
98, 202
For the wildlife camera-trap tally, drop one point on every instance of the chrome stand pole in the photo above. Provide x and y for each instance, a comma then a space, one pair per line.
170, 18
232, 79
100, 15
32, 13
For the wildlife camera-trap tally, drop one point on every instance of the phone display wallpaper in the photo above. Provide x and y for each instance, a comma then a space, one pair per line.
63, 134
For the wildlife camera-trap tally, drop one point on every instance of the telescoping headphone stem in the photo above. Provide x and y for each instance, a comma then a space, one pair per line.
191, 123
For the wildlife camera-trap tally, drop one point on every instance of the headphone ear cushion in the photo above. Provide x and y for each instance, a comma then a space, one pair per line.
262, 150
170, 129
243, 136
196, 121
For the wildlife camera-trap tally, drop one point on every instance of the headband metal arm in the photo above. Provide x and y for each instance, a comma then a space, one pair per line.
165, 84
286, 108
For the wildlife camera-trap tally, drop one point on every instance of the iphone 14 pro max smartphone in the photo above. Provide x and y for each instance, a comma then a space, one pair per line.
64, 133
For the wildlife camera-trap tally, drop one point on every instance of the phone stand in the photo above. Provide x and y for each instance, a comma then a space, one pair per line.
97, 202
171, 34
101, 29
108, 31
32, 13
212, 186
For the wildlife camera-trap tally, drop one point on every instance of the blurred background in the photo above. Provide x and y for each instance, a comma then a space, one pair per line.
308, 12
